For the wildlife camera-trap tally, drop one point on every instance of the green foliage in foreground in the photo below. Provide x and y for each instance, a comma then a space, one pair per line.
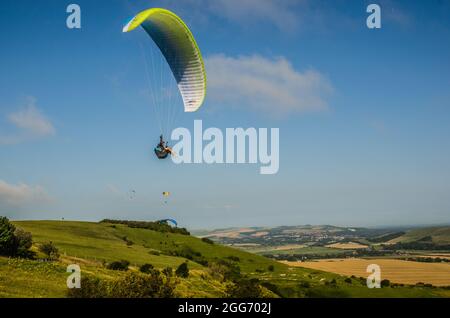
132, 285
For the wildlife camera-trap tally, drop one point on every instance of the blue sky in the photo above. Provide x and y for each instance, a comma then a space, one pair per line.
366, 141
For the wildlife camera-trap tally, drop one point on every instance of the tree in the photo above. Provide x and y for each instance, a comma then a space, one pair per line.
7, 238
50, 250
182, 270
24, 241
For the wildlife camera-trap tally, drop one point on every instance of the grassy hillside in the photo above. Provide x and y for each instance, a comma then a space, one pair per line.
105, 242
439, 235
91, 245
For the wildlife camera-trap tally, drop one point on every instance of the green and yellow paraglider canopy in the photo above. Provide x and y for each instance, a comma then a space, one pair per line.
180, 50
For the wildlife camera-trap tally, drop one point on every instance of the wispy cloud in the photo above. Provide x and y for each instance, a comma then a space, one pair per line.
269, 85
21, 193
30, 124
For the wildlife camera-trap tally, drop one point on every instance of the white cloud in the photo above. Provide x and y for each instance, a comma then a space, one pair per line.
269, 85
30, 123
21, 193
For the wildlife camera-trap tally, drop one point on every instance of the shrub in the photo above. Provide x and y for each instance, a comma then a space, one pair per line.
207, 240
305, 285
233, 271
132, 285
135, 285
244, 288
127, 241
50, 250
146, 268
217, 271
234, 258
348, 280
271, 268
119, 265
182, 270
91, 287
24, 241
168, 271
385, 283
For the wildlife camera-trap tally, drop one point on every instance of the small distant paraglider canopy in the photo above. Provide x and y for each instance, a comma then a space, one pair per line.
167, 221
166, 195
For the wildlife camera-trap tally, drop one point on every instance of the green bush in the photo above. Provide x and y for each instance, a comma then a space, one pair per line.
24, 241
146, 268
119, 265
271, 268
91, 287
182, 270
168, 271
132, 285
135, 285
244, 288
385, 283
232, 272
348, 280
50, 250
207, 240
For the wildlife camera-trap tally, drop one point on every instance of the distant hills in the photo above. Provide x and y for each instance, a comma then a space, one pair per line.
325, 234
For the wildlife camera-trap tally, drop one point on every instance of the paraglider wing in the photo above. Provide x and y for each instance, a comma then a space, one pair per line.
180, 50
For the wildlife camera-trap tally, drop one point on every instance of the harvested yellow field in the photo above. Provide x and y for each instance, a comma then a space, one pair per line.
347, 246
398, 271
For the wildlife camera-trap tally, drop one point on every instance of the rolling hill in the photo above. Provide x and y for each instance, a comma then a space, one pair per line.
93, 245
437, 235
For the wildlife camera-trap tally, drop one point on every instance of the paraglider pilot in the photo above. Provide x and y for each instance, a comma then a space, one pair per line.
163, 150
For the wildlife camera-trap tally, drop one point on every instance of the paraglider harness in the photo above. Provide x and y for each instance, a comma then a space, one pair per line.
161, 150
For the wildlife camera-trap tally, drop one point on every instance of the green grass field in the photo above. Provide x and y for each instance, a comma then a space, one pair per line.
92, 244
